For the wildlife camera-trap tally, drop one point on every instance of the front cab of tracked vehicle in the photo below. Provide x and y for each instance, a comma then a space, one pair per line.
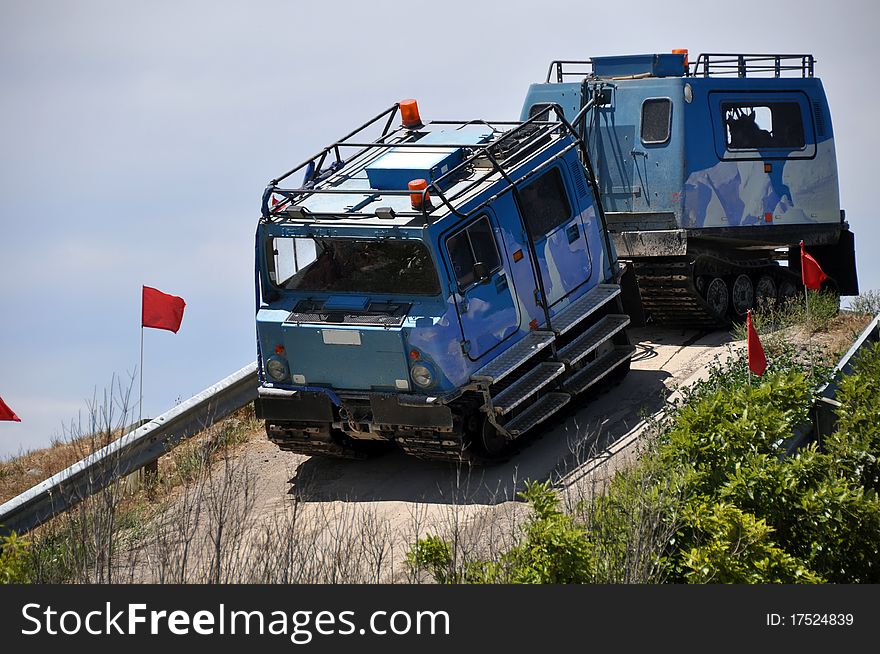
421, 288
721, 167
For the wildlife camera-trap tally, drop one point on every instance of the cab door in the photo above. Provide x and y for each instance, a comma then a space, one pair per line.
558, 233
483, 297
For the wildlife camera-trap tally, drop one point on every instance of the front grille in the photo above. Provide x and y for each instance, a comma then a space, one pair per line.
381, 314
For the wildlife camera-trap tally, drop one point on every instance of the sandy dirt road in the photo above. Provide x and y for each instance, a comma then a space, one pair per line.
609, 421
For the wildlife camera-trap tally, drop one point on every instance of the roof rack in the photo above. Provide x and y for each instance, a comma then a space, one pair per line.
497, 156
747, 65
559, 66
707, 64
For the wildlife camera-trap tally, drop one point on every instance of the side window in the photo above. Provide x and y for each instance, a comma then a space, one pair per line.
475, 243
545, 203
656, 120
541, 110
751, 126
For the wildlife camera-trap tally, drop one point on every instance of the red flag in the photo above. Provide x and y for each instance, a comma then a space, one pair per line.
757, 360
812, 274
6, 413
161, 311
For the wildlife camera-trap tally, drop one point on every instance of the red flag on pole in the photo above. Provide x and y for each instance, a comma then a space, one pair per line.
6, 413
812, 274
161, 311
757, 360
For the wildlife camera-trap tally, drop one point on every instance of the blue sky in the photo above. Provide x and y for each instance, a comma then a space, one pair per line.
137, 138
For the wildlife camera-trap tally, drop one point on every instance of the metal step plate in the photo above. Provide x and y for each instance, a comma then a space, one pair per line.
592, 338
597, 370
514, 356
537, 413
583, 307
527, 385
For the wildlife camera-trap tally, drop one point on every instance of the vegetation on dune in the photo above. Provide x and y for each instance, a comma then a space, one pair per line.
81, 544
716, 497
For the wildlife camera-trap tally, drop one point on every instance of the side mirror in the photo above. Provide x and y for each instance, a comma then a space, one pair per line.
481, 272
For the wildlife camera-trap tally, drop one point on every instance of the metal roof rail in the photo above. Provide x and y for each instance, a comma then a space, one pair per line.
753, 65
523, 139
559, 66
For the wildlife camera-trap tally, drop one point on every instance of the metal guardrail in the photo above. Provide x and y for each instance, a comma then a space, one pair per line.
823, 415
129, 453
826, 404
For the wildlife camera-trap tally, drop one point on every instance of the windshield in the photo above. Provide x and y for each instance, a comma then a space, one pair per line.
399, 267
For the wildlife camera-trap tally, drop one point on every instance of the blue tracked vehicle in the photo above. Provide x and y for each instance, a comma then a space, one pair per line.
445, 286
710, 175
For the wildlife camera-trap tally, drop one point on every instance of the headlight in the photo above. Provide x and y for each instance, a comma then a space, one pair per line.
421, 375
276, 368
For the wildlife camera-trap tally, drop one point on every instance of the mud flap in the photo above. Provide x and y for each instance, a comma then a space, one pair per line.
387, 410
838, 261
304, 406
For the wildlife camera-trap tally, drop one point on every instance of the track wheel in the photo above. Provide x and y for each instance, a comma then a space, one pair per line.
717, 297
742, 295
765, 292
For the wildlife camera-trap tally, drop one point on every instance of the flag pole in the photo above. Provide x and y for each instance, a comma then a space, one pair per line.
748, 327
808, 325
141, 383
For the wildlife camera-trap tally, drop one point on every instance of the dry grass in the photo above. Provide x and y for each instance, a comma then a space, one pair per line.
22, 472
26, 470
842, 331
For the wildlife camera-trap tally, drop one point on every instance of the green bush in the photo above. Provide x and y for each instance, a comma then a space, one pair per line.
735, 547
433, 554
856, 444
14, 564
715, 498
712, 436
630, 525
553, 550
821, 518
729, 442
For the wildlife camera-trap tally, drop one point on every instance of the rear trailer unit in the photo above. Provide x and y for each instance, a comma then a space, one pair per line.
711, 174
443, 286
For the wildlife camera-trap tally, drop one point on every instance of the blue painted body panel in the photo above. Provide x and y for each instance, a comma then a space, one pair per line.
378, 362
694, 175
456, 332
656, 65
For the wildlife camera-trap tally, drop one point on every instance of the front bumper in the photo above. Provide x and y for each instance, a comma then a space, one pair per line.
383, 411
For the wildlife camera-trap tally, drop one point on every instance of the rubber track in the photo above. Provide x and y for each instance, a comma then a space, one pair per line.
669, 293
318, 448
448, 447
670, 296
